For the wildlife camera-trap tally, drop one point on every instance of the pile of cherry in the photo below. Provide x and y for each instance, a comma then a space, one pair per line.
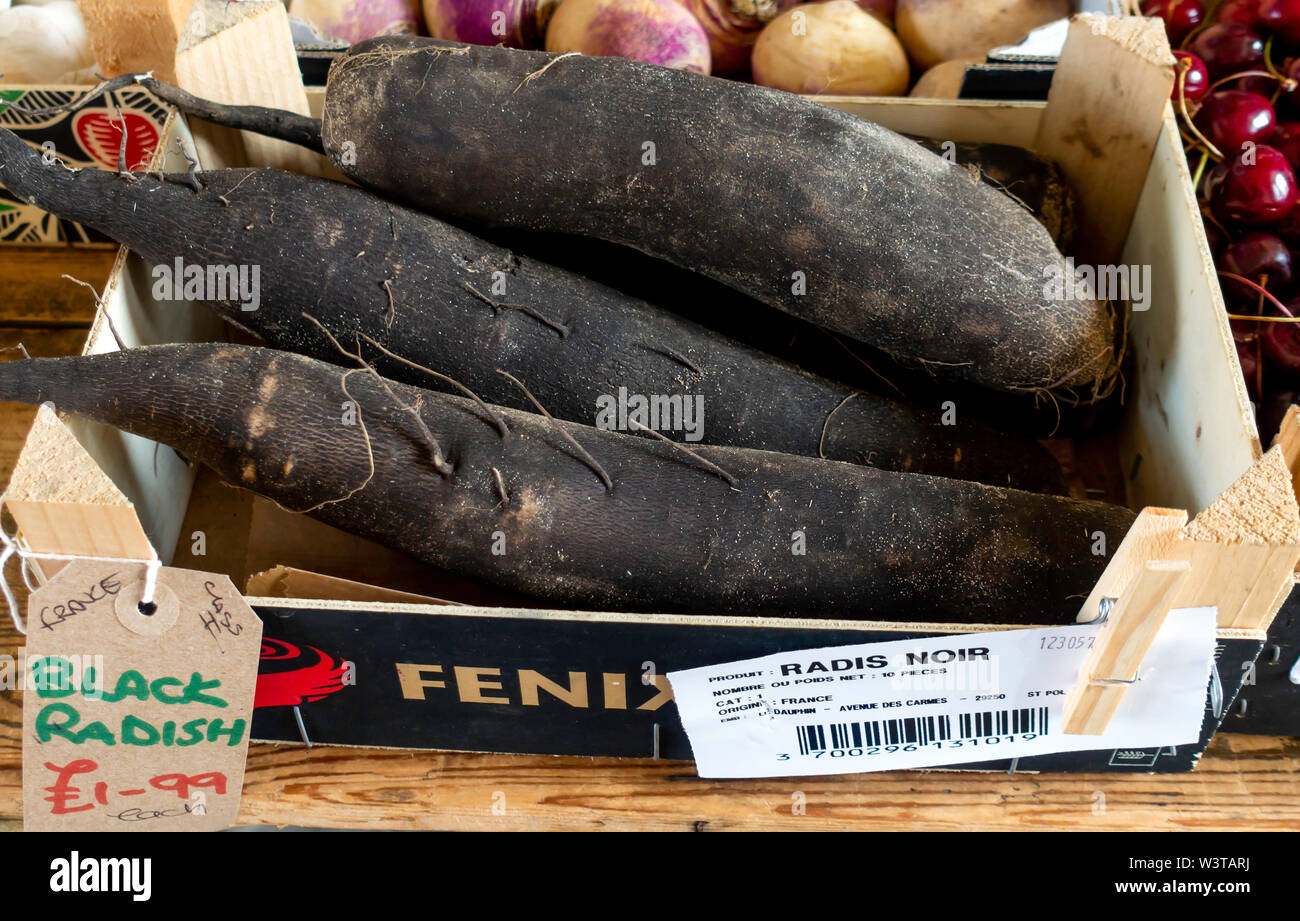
1237, 94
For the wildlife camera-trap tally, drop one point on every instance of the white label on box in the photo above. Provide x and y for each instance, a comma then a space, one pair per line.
917, 703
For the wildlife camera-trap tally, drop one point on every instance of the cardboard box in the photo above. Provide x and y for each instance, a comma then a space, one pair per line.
486, 674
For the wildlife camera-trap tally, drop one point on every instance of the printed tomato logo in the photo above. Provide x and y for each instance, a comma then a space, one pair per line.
101, 136
288, 676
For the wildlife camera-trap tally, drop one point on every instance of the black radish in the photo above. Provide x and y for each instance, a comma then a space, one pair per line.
808, 209
579, 517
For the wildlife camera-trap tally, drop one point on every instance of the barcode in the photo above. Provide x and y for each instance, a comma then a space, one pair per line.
921, 730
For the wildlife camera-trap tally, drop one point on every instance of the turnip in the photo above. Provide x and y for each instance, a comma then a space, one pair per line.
356, 20
833, 47
934, 31
44, 44
943, 81
654, 31
515, 23
733, 26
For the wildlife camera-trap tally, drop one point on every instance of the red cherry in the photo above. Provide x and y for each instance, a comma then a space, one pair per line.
1228, 47
1281, 17
1233, 118
1257, 192
1191, 75
1245, 12
1289, 229
1286, 138
1254, 255
1180, 16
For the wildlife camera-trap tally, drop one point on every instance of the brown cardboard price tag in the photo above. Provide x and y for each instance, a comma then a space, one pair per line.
136, 717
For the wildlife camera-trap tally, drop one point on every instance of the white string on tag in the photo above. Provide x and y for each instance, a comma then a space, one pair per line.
11, 548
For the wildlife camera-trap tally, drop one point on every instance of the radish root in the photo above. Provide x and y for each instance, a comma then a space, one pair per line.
590, 461
674, 354
435, 449
707, 464
528, 311
495, 418
501, 486
821, 442
370, 454
543, 69
275, 123
103, 310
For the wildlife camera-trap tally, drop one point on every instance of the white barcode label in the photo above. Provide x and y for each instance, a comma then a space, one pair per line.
925, 703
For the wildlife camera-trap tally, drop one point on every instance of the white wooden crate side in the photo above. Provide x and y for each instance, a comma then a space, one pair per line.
1187, 415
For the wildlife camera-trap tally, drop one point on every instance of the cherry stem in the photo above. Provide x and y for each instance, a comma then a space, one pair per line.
1246, 73
1250, 284
1207, 215
1205, 24
1268, 58
1253, 319
1182, 106
1200, 169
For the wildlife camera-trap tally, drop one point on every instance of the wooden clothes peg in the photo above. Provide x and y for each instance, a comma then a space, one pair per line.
1128, 630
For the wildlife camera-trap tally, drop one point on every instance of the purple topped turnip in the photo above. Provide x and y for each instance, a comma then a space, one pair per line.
659, 32
514, 23
357, 20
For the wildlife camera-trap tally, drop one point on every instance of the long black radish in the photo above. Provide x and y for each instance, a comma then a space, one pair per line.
386, 280
803, 207
579, 517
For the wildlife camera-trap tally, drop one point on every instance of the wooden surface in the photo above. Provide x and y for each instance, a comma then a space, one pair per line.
132, 36
1244, 783
1109, 93
243, 54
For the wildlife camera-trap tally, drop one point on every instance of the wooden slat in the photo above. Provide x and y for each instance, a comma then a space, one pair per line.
35, 294
1104, 111
1149, 538
1243, 783
80, 512
132, 36
1288, 436
1244, 548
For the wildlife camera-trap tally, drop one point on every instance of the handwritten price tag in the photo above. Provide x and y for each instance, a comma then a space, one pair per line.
136, 716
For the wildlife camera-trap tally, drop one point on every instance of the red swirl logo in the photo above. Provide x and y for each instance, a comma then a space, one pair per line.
289, 676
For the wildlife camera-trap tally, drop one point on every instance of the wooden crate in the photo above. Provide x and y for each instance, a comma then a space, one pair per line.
1187, 432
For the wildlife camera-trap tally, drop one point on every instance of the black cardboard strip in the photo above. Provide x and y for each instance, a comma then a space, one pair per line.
483, 708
